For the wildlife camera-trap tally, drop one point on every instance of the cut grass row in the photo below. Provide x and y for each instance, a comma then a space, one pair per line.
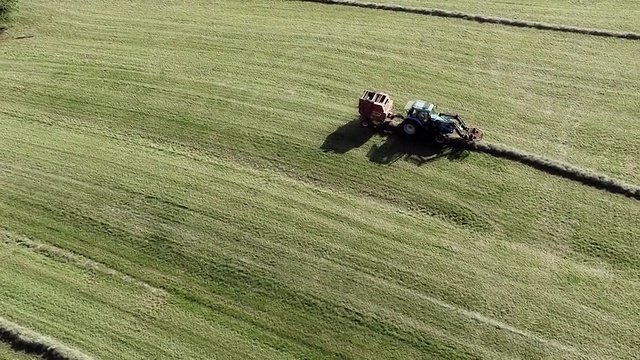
31, 343
482, 18
568, 171
607, 14
7, 353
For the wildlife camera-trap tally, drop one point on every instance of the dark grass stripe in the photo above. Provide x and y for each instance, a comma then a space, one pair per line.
483, 19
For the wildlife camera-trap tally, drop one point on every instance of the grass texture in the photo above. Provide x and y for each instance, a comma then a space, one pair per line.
186, 179
6, 8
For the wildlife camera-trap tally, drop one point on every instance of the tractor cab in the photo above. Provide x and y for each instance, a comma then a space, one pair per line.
424, 115
420, 109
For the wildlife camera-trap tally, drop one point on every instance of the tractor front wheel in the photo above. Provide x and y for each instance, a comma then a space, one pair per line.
440, 139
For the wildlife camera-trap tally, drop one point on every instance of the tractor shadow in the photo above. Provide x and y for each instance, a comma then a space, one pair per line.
415, 151
347, 137
396, 146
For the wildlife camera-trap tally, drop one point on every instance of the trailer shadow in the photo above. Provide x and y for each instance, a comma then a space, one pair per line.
397, 147
347, 137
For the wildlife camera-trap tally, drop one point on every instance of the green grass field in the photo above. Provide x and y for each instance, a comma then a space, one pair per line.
165, 193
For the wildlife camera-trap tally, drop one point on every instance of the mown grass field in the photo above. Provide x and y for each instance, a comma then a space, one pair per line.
165, 193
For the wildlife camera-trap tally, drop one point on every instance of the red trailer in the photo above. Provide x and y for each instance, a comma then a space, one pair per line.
375, 108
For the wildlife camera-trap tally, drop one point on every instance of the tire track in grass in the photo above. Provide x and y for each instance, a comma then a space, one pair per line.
496, 323
473, 315
31, 342
554, 167
59, 254
451, 307
482, 18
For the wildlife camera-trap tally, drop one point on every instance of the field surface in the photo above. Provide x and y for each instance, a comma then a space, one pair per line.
185, 180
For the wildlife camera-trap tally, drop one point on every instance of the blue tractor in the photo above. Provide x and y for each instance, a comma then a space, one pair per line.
421, 118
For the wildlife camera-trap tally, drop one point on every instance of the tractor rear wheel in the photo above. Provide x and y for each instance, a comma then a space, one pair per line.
409, 129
